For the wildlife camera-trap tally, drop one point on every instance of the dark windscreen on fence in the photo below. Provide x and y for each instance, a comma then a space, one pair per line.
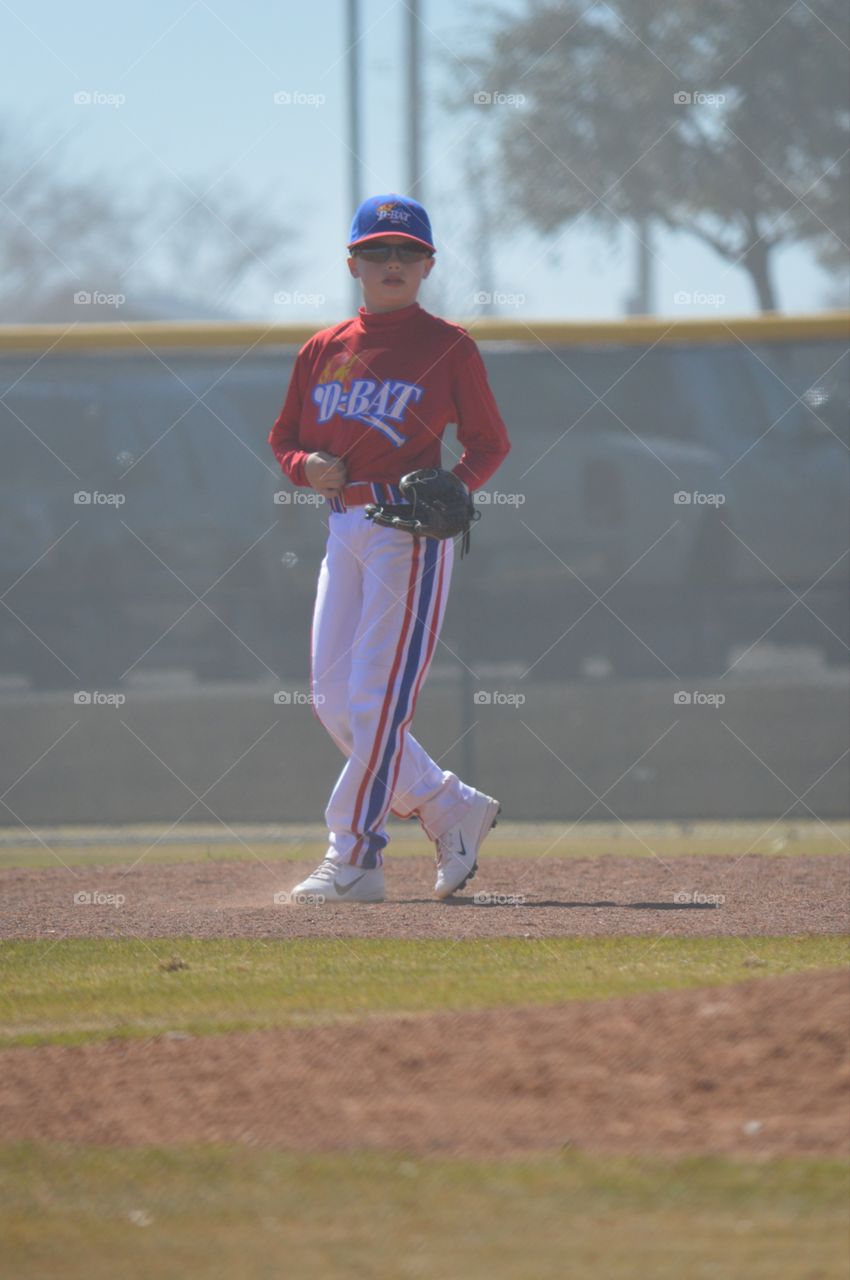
671, 518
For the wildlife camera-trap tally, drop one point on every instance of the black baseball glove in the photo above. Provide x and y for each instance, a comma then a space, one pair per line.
438, 506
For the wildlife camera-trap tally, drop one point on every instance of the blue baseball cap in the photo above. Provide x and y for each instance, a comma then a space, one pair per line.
391, 215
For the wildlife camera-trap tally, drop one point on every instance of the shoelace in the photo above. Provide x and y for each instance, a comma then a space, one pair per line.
326, 870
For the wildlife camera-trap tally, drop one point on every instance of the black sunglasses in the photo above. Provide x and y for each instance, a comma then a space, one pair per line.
383, 253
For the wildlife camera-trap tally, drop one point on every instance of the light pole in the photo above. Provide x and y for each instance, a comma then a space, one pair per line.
354, 130
414, 101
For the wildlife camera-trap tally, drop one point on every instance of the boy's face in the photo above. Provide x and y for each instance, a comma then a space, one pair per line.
387, 286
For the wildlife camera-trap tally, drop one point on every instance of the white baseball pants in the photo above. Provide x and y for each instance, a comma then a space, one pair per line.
380, 603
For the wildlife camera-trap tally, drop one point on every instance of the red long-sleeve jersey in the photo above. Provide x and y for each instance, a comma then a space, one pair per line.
379, 390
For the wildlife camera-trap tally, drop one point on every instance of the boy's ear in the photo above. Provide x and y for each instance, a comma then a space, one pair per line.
352, 267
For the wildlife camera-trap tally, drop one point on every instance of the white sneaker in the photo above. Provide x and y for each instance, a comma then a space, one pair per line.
457, 850
335, 882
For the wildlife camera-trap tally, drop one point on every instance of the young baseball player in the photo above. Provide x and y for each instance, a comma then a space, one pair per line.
367, 404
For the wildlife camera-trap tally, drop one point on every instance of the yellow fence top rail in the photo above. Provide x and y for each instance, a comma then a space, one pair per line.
636, 331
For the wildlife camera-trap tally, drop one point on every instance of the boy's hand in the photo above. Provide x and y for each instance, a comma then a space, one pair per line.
326, 474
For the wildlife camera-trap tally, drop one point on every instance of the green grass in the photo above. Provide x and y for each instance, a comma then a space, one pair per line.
83, 1213
665, 840
85, 989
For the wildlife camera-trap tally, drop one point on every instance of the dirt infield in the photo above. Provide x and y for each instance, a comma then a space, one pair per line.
691, 897
758, 1069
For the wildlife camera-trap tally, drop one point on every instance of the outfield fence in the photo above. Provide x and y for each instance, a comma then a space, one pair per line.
673, 519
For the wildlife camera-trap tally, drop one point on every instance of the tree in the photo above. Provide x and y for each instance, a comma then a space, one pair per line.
61, 233
55, 228
724, 120
210, 242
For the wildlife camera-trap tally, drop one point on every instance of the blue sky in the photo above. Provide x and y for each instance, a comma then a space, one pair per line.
199, 77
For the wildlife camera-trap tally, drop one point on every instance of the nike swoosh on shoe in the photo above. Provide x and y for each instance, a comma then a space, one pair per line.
346, 888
